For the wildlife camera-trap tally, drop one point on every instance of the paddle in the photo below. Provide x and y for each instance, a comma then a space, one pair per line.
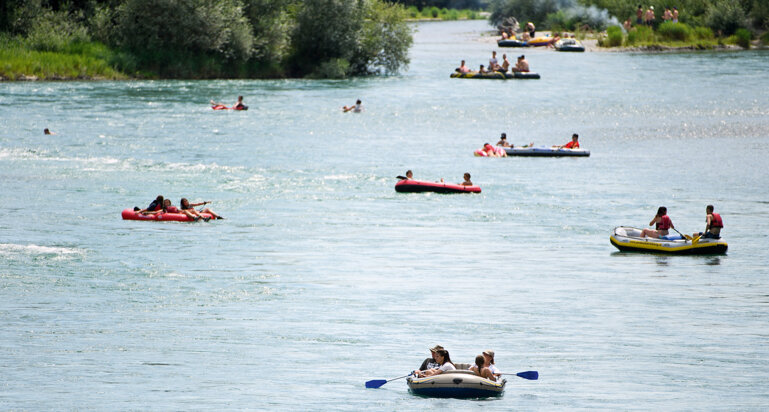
687, 237
401, 177
530, 375
376, 383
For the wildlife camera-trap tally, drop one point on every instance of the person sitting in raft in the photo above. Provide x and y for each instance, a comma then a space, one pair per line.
488, 356
188, 209
166, 207
239, 105
156, 204
522, 65
482, 371
505, 64
503, 141
467, 181
482, 70
713, 225
355, 109
493, 63
409, 175
442, 358
492, 152
663, 224
431, 363
463, 68
553, 41
573, 144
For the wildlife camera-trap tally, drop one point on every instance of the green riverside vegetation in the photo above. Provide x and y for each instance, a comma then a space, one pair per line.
702, 23
114, 39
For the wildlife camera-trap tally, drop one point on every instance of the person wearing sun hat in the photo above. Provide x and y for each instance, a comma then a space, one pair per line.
488, 362
431, 363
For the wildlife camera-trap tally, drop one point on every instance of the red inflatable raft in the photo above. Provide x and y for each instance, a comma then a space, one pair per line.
130, 214
223, 107
418, 186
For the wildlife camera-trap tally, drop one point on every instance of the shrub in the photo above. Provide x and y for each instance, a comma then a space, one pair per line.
453, 15
765, 38
331, 69
434, 12
53, 31
743, 38
412, 12
640, 34
703, 33
725, 17
613, 36
674, 31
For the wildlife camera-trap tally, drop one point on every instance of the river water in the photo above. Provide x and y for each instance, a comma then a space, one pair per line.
322, 277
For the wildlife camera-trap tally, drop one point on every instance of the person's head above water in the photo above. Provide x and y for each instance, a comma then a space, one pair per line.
358, 101
504, 136
467, 176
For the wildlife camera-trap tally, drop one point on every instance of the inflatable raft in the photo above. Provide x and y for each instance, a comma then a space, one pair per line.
569, 45
628, 239
496, 75
498, 151
130, 214
418, 186
535, 42
456, 384
223, 107
545, 152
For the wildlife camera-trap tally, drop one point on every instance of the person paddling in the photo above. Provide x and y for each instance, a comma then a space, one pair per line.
573, 144
713, 225
355, 109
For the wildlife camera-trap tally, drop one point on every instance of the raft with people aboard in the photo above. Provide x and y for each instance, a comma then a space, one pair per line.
535, 42
630, 239
418, 186
496, 75
130, 214
459, 383
569, 45
543, 151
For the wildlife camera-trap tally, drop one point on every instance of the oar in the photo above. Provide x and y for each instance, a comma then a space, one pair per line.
401, 177
687, 237
376, 383
530, 375
696, 240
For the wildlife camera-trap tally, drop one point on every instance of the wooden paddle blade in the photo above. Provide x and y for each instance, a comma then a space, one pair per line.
375, 383
530, 375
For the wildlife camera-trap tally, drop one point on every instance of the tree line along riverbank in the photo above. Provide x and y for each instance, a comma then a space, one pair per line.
114, 39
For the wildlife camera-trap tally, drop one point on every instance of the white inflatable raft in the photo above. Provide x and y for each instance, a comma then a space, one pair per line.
456, 384
545, 151
628, 239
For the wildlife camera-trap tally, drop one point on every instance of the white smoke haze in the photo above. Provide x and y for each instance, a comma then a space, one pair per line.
592, 15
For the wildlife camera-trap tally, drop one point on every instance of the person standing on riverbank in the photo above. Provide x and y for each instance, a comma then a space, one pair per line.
531, 29
675, 15
650, 16
639, 15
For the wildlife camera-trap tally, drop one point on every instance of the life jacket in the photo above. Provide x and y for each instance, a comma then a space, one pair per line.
716, 221
664, 223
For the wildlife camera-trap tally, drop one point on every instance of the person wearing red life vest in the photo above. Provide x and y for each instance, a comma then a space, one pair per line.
663, 224
713, 225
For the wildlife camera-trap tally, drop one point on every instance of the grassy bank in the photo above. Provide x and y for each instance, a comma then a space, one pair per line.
75, 61
671, 35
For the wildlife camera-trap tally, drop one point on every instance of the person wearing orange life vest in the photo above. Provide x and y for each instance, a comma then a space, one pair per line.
713, 225
663, 224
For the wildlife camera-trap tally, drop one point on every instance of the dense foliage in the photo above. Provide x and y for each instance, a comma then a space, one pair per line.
722, 16
221, 38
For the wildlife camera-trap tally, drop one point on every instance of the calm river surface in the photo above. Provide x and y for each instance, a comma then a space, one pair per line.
323, 277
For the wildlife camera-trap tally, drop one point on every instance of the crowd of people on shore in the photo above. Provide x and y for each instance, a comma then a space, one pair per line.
648, 18
440, 362
713, 225
163, 205
521, 65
